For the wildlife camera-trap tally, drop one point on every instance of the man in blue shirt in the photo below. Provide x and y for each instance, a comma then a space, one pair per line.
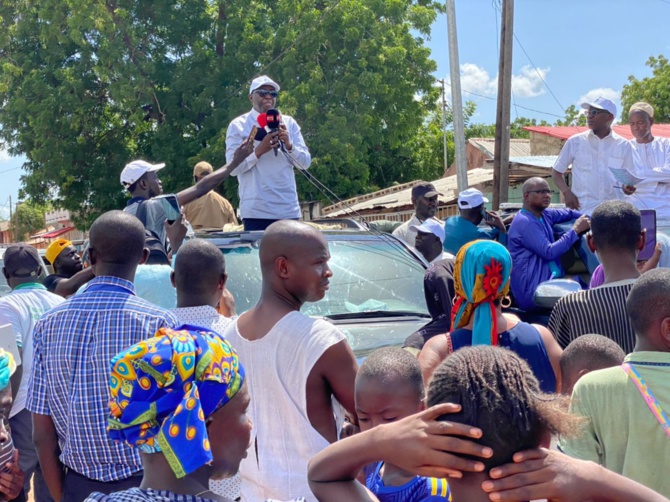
535, 255
464, 228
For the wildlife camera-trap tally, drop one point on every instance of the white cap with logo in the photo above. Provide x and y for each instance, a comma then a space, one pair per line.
601, 104
470, 198
431, 226
136, 169
261, 81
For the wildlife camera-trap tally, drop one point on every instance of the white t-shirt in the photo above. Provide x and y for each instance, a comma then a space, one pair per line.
590, 156
22, 308
267, 185
652, 162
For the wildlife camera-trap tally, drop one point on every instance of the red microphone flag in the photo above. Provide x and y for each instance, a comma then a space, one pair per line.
262, 120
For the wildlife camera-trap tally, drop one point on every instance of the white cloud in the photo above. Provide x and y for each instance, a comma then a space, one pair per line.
4, 155
605, 92
526, 84
529, 83
476, 79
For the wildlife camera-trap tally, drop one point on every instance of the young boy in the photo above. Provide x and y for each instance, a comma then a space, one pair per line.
585, 354
389, 387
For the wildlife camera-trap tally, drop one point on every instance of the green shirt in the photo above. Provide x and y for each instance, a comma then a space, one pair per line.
622, 434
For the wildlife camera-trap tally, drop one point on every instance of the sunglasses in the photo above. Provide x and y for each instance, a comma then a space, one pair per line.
263, 93
543, 192
594, 112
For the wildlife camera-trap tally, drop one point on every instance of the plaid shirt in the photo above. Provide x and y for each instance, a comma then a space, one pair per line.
74, 344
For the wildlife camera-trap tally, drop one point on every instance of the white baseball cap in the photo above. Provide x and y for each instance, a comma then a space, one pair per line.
470, 198
136, 169
430, 226
261, 81
601, 104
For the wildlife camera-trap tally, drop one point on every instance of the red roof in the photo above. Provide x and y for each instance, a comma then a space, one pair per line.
564, 132
54, 233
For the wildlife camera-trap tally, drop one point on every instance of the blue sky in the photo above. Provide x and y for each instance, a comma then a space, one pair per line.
582, 48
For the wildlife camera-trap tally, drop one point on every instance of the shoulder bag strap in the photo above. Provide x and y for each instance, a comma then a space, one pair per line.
648, 396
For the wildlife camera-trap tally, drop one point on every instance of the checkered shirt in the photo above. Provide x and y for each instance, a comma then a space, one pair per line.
74, 344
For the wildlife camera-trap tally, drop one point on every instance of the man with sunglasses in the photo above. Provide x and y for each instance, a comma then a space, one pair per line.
591, 153
535, 255
267, 186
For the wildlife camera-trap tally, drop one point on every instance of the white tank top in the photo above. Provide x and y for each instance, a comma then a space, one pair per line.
277, 367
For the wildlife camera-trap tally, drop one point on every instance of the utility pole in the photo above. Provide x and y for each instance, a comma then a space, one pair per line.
501, 150
444, 125
11, 226
456, 100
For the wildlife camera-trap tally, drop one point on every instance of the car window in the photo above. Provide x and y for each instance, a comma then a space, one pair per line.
368, 275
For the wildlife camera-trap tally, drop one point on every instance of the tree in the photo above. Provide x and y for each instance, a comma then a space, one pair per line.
27, 220
573, 116
655, 90
87, 85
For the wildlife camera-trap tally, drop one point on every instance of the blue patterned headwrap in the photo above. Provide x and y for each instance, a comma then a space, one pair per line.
164, 388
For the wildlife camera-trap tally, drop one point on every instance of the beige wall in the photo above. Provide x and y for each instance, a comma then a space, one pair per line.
542, 144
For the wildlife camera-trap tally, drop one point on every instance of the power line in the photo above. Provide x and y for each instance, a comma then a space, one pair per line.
539, 74
518, 106
12, 169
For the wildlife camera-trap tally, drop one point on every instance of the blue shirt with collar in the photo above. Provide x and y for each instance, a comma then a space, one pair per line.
459, 231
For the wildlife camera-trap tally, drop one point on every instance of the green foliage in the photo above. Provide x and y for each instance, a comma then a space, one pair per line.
573, 116
27, 220
655, 90
87, 85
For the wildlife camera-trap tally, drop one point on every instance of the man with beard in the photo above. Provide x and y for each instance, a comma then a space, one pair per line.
424, 199
535, 255
69, 272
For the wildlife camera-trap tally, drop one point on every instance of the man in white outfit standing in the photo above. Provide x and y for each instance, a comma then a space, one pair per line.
295, 364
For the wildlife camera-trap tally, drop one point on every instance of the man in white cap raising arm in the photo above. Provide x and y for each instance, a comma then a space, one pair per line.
464, 228
140, 178
591, 153
266, 181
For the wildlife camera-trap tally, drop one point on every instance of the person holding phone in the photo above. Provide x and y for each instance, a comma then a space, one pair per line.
141, 179
266, 181
464, 228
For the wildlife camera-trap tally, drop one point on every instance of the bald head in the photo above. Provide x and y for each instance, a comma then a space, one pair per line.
117, 238
288, 238
534, 184
294, 262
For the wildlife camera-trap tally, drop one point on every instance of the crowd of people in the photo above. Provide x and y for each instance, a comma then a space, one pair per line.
135, 380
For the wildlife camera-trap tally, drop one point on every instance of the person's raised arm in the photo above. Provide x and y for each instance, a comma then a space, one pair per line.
211, 181
68, 287
551, 475
418, 444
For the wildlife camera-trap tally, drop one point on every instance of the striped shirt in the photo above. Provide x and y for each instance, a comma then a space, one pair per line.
599, 311
73, 346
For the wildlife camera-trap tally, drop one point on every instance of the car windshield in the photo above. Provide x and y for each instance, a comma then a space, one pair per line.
369, 275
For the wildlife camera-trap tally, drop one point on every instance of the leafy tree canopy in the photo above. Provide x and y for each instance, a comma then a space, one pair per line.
27, 220
87, 85
655, 90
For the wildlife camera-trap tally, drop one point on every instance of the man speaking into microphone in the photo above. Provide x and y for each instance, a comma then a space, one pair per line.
266, 181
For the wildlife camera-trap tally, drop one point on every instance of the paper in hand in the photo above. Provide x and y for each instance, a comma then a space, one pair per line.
625, 177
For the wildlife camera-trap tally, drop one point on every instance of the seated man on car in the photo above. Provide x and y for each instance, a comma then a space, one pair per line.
535, 254
464, 228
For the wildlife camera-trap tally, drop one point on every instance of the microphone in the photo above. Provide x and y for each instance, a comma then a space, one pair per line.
261, 132
273, 120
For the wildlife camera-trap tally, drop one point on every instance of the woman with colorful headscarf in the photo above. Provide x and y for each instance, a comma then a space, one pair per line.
179, 398
481, 283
